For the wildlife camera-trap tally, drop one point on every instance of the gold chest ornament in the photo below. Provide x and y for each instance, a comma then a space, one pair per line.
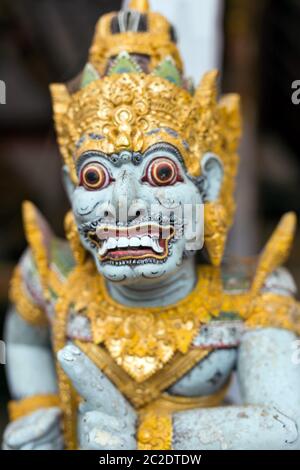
140, 340
142, 351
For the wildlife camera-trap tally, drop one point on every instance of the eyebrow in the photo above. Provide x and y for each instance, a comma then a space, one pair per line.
165, 147
87, 155
159, 146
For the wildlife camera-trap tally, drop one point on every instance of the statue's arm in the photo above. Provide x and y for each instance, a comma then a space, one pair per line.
270, 386
29, 360
30, 372
29, 363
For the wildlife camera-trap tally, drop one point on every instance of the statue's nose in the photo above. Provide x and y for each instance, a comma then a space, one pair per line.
125, 189
126, 198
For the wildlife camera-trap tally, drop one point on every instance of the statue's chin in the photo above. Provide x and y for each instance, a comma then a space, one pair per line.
144, 273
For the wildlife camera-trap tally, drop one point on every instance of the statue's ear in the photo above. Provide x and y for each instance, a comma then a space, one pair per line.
67, 182
213, 172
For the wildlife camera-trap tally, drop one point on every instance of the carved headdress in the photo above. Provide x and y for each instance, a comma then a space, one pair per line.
133, 93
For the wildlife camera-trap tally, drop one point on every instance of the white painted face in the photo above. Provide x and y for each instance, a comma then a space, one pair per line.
138, 215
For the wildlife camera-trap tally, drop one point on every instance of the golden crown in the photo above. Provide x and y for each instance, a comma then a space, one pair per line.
136, 31
133, 94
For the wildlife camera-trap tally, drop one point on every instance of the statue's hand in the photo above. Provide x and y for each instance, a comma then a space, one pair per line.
106, 419
41, 430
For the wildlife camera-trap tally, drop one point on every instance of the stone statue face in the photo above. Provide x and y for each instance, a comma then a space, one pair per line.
142, 142
139, 215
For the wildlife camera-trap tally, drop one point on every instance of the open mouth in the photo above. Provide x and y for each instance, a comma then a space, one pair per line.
134, 243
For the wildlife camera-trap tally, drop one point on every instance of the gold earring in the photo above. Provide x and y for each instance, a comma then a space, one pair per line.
215, 231
78, 250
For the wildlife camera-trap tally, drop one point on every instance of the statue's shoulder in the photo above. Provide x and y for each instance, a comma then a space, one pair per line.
275, 305
43, 267
280, 282
238, 277
242, 309
273, 290
265, 297
255, 292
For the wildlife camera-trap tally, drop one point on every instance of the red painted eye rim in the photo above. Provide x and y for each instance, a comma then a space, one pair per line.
104, 179
153, 166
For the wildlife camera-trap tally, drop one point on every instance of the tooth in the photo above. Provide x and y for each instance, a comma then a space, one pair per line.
156, 246
146, 241
112, 243
103, 249
123, 242
134, 241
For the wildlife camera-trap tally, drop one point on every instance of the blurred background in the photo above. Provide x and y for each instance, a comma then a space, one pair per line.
254, 44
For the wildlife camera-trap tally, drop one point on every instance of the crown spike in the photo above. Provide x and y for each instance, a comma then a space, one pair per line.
207, 91
276, 251
142, 6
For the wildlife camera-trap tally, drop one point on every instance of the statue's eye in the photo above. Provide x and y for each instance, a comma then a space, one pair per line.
94, 176
162, 172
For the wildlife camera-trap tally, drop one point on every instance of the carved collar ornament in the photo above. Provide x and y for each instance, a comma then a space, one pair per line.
132, 95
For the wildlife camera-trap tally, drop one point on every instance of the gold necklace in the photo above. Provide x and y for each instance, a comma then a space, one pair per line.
142, 340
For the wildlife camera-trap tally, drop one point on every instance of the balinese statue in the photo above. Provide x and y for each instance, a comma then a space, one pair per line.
126, 335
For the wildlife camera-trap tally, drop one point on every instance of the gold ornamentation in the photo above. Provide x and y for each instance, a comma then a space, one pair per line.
37, 239
155, 408
67, 395
141, 394
215, 231
276, 250
173, 404
54, 281
156, 47
155, 43
133, 111
215, 127
68, 398
60, 104
155, 420
121, 110
142, 340
237, 303
134, 104
155, 431
84, 289
72, 234
25, 307
20, 408
277, 311
139, 5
